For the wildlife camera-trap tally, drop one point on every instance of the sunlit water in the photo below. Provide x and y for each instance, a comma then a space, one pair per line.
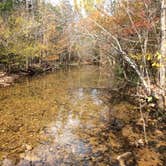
56, 119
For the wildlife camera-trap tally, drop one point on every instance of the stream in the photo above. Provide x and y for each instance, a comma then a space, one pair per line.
55, 119
69, 118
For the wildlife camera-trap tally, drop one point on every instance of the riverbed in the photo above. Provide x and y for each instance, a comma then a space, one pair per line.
56, 118
66, 118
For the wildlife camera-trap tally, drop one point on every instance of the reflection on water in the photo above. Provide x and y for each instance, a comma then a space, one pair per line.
56, 119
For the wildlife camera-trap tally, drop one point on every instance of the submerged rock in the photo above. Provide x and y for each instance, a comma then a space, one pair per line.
28, 147
161, 148
116, 124
139, 143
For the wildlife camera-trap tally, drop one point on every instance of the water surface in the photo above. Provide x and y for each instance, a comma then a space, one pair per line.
56, 119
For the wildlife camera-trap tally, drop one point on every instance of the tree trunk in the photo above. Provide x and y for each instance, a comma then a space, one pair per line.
163, 43
27, 63
162, 70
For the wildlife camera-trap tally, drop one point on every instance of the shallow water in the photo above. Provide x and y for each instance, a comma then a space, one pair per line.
60, 118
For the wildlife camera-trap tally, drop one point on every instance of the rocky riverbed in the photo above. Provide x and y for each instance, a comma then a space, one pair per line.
69, 118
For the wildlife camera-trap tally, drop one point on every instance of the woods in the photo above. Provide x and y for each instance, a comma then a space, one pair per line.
132, 35
128, 29
38, 30
126, 32
103, 60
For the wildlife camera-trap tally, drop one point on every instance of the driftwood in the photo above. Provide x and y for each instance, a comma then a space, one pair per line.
123, 158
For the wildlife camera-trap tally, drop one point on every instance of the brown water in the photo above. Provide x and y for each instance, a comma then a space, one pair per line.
56, 119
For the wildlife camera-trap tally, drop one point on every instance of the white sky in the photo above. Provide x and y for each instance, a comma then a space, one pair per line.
107, 4
55, 2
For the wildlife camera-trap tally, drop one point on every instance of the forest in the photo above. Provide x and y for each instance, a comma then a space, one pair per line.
82, 82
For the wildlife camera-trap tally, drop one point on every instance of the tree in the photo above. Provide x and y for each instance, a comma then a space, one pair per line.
162, 69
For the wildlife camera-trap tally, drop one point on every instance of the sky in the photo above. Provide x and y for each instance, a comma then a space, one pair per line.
106, 4
55, 2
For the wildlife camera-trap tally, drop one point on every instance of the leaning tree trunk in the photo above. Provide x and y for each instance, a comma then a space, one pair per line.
162, 70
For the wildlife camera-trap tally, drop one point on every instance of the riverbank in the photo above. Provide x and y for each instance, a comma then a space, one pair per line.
130, 144
8, 79
137, 128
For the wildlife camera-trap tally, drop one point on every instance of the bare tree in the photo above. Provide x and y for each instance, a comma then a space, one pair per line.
163, 44
162, 70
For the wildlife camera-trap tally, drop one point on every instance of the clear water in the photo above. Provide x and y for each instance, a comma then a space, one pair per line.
56, 119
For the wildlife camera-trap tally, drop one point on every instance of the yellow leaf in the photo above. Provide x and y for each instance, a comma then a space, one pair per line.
148, 57
159, 56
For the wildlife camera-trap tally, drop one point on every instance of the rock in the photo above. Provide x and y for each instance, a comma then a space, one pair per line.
28, 147
162, 149
139, 143
6, 81
2, 74
4, 84
116, 124
51, 150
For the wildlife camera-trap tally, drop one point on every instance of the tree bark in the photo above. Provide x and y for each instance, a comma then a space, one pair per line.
162, 70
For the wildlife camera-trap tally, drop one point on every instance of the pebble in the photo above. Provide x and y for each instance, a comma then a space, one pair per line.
51, 149
28, 147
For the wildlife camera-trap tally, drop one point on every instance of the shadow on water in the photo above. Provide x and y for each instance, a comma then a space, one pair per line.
57, 119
